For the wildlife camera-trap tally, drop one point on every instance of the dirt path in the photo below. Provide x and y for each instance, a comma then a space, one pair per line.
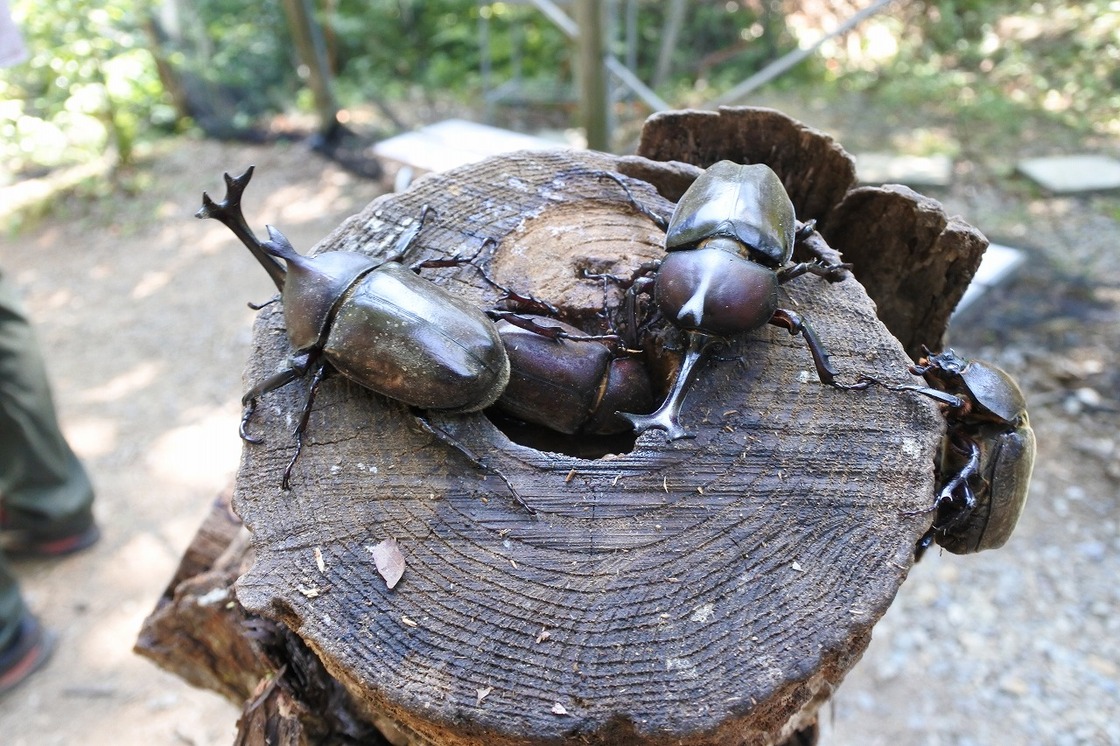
141, 311
142, 315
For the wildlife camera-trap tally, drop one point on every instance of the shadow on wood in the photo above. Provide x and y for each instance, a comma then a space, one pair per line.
705, 591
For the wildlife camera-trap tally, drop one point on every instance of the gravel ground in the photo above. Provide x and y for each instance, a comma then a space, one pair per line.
142, 315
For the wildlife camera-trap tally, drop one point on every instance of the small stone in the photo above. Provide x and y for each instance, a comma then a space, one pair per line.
1012, 684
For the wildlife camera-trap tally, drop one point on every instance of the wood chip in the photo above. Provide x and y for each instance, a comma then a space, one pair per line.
389, 560
559, 709
319, 560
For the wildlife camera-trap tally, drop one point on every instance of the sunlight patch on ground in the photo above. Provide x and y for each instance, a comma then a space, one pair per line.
150, 284
203, 454
139, 377
138, 567
92, 437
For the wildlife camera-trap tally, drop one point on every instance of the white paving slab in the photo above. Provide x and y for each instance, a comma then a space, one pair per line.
455, 142
998, 265
910, 170
1069, 174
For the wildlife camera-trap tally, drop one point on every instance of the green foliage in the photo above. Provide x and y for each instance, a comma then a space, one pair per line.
1005, 66
239, 52
89, 84
94, 81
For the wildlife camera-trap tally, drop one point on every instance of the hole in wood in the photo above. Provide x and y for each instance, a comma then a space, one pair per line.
543, 439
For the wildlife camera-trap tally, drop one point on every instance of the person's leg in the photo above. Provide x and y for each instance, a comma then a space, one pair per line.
24, 645
45, 494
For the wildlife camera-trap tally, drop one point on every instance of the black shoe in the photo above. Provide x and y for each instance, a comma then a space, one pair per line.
26, 654
59, 540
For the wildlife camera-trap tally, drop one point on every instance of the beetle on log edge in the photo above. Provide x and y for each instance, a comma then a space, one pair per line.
988, 453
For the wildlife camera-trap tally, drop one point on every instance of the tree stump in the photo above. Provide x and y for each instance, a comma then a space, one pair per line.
705, 591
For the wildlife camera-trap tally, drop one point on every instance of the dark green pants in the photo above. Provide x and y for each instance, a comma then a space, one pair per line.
42, 483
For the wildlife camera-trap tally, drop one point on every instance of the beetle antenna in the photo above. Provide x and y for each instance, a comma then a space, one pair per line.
228, 212
658, 220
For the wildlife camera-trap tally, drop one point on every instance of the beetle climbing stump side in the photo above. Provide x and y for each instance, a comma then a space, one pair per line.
704, 591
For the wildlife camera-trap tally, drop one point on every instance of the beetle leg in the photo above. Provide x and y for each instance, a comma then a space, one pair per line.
449, 439
228, 212
959, 482
249, 400
830, 272
266, 304
305, 416
943, 397
529, 323
804, 230
407, 238
796, 325
924, 543
642, 273
667, 416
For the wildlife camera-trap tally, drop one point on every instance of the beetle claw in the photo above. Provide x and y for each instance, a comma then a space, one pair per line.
667, 416
242, 428
662, 419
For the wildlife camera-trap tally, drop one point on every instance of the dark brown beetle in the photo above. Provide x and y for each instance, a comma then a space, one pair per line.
378, 323
988, 454
730, 243
567, 381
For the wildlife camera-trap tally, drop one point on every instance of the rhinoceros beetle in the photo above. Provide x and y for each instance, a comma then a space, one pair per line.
730, 244
384, 327
987, 456
378, 323
568, 381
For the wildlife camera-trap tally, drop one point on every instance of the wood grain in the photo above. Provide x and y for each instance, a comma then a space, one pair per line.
707, 591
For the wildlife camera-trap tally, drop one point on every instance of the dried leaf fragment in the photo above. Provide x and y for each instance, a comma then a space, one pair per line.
319, 562
389, 561
482, 694
308, 591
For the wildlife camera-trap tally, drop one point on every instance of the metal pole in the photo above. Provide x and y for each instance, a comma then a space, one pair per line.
594, 100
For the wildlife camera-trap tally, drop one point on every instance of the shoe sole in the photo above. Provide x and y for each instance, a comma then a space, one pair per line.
17, 545
31, 661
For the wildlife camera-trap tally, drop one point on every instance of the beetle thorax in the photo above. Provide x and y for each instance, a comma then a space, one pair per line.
716, 292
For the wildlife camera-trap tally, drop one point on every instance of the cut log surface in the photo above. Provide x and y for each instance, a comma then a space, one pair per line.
706, 591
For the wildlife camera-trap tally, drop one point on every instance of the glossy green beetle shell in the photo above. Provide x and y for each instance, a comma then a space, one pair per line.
1006, 463
746, 203
390, 330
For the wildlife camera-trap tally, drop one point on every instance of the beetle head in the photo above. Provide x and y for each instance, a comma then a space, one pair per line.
993, 393
313, 286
